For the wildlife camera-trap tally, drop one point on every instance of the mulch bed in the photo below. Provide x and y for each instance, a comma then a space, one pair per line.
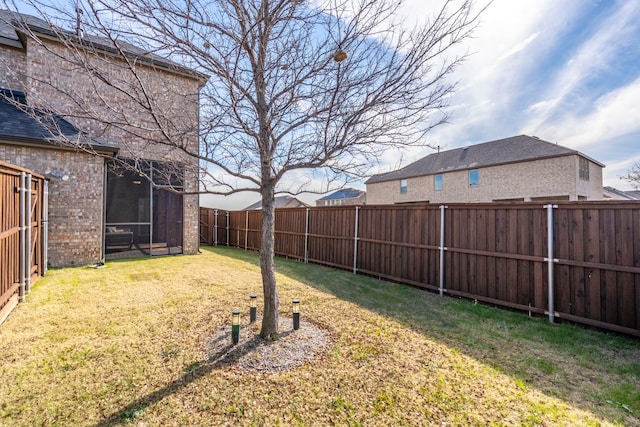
253, 353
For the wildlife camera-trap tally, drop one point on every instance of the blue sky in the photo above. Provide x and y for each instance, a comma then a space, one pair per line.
567, 71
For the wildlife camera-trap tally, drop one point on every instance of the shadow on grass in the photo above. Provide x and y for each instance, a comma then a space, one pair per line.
529, 349
193, 372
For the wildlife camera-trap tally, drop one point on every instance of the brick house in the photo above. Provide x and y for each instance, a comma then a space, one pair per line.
343, 197
99, 208
520, 168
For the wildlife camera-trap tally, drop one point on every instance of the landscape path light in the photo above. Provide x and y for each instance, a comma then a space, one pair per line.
296, 314
235, 326
253, 310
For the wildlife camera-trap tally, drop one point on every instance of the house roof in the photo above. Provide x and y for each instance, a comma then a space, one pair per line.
10, 21
28, 125
508, 150
345, 193
634, 193
614, 193
280, 202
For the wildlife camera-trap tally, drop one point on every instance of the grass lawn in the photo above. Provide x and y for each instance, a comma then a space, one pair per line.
124, 345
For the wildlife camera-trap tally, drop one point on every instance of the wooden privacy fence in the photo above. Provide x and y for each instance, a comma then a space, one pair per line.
496, 253
23, 231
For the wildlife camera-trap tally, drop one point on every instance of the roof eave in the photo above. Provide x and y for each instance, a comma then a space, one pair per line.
11, 42
41, 143
165, 65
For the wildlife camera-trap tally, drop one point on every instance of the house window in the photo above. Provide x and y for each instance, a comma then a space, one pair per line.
583, 166
437, 182
403, 186
474, 178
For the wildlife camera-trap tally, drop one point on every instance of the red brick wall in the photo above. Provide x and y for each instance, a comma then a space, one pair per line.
75, 204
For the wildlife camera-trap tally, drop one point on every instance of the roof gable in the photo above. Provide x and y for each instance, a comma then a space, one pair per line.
508, 150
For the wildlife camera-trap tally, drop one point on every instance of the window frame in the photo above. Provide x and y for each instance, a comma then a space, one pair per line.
403, 186
438, 182
476, 181
583, 168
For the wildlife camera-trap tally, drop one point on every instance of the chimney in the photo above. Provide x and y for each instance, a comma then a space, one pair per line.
79, 31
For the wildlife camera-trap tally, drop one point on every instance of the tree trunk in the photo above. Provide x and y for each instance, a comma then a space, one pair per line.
271, 303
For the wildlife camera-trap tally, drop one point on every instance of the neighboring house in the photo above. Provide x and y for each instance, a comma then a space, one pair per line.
279, 202
520, 168
634, 193
611, 193
97, 208
344, 197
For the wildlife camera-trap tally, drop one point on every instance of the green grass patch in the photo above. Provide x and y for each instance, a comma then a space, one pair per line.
124, 345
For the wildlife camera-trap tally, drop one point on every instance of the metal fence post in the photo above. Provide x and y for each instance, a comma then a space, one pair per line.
246, 230
215, 227
27, 237
306, 238
45, 227
442, 248
355, 244
550, 260
21, 233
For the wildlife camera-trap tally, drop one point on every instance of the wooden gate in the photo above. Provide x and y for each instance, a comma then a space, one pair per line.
23, 212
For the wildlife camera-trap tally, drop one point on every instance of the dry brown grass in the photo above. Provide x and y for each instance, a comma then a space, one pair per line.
124, 344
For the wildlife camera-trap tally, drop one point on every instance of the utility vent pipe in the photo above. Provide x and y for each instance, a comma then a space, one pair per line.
79, 30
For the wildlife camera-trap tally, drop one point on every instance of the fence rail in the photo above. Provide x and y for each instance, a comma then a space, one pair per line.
23, 231
584, 268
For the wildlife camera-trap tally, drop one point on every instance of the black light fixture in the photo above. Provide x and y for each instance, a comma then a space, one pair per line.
253, 311
235, 326
296, 314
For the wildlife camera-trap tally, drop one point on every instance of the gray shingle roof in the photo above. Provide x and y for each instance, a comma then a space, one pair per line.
8, 31
20, 126
614, 193
345, 193
508, 150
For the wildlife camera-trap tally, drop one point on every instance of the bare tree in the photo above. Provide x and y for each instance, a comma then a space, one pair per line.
294, 86
633, 175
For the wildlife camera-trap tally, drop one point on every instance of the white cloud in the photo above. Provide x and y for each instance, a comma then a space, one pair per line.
506, 46
520, 46
542, 106
613, 115
594, 56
